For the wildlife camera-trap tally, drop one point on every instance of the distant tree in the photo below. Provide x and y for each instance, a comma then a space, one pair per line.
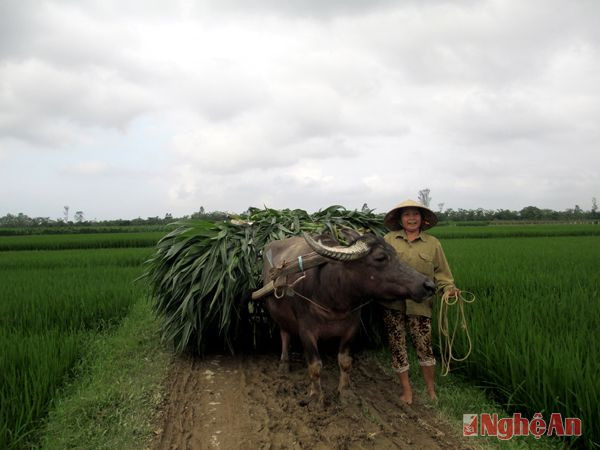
66, 213
42, 221
548, 214
440, 207
214, 215
20, 220
78, 216
424, 197
506, 214
446, 215
365, 208
594, 207
530, 213
201, 213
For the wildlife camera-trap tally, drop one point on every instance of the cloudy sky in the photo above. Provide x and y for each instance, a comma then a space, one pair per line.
125, 109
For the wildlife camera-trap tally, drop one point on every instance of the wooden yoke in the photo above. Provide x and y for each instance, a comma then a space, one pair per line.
278, 274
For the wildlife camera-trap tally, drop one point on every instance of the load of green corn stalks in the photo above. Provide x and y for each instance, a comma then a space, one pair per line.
202, 273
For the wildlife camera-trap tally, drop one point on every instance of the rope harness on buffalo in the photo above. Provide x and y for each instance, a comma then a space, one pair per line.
279, 285
278, 274
446, 335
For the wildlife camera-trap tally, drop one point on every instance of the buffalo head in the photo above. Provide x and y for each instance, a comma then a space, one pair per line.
373, 267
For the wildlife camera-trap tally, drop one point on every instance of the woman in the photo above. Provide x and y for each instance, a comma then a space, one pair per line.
423, 252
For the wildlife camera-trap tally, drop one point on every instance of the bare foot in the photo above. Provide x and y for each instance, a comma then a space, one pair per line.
406, 397
432, 395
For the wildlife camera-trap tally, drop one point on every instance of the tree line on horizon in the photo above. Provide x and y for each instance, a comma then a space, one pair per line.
529, 213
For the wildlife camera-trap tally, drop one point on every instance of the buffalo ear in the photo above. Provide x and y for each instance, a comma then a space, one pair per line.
327, 238
350, 234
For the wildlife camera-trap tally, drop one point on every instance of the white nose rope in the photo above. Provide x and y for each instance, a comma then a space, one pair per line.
447, 340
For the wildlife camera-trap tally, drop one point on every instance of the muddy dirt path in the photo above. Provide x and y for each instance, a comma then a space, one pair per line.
244, 403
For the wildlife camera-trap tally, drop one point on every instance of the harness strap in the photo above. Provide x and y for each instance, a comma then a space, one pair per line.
302, 263
324, 308
277, 274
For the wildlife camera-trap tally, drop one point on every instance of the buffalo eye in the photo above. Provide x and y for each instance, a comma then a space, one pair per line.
381, 257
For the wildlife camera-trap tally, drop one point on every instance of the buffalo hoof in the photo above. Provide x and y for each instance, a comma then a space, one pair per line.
313, 402
348, 397
284, 367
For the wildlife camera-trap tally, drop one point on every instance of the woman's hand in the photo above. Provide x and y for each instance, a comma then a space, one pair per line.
453, 292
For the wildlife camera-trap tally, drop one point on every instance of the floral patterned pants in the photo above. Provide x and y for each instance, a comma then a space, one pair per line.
420, 331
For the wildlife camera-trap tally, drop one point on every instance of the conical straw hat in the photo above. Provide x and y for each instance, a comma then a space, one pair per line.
392, 219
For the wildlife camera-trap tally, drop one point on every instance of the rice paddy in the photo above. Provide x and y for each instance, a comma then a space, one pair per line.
533, 324
79, 241
512, 231
50, 303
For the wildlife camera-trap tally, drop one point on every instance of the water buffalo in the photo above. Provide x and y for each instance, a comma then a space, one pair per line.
326, 302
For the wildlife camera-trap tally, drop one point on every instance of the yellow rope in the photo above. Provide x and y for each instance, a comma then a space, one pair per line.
447, 340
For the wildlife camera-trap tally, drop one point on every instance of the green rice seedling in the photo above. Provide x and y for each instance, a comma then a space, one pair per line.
534, 323
32, 367
509, 231
78, 258
81, 241
50, 302
66, 298
78, 229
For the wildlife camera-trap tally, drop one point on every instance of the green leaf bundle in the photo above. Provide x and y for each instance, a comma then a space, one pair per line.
202, 273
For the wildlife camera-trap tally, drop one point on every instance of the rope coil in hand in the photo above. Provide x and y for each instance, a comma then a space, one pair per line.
446, 336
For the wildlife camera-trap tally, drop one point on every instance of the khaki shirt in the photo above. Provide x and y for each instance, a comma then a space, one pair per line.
424, 254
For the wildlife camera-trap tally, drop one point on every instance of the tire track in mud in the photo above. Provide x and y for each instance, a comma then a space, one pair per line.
244, 402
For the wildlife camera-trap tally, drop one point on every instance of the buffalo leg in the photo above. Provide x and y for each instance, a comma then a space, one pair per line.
284, 362
314, 371
345, 364
345, 360
313, 360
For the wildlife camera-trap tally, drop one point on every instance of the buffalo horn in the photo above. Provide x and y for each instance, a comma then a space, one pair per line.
352, 252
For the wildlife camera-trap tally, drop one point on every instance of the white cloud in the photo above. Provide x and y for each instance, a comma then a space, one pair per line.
48, 105
302, 104
87, 168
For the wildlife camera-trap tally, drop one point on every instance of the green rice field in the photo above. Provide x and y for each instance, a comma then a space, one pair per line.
533, 323
511, 231
50, 304
80, 241
78, 229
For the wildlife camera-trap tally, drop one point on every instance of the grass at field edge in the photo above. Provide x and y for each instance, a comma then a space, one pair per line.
113, 404
458, 396
114, 401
